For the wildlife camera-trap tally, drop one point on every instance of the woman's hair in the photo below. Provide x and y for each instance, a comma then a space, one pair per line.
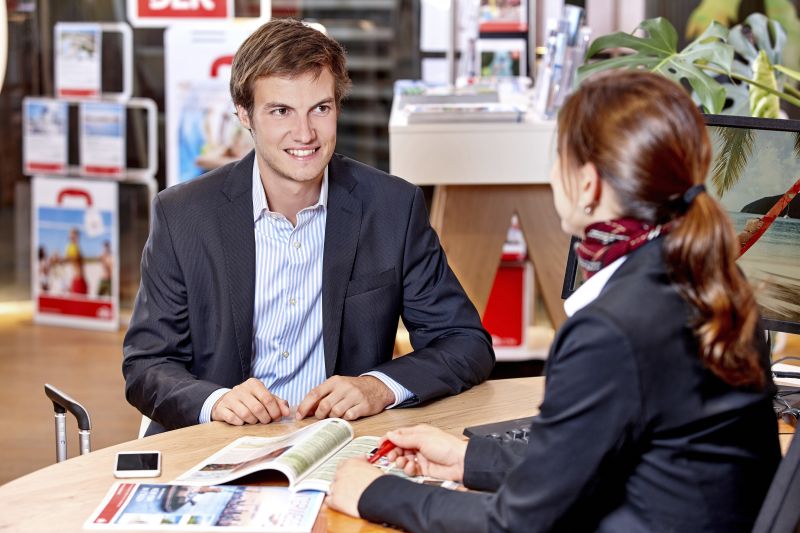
286, 47
649, 144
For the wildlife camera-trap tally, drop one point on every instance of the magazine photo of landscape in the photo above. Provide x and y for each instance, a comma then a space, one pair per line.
755, 173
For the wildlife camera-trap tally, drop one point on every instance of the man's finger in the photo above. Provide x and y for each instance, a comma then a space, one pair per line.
229, 417
312, 399
242, 411
257, 409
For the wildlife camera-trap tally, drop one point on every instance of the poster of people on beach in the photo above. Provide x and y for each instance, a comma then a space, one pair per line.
756, 175
75, 263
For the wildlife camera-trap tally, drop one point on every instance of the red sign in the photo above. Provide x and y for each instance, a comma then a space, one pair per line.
178, 9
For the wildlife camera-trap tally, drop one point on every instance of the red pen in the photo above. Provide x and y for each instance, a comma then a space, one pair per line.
385, 448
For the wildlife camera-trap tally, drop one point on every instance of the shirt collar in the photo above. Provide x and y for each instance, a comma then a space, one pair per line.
591, 288
260, 203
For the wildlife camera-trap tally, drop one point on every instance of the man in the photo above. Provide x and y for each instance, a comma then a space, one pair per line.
279, 280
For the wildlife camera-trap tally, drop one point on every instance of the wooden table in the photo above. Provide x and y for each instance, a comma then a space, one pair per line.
61, 497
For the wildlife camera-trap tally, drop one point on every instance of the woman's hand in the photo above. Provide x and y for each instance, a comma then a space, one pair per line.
352, 477
427, 451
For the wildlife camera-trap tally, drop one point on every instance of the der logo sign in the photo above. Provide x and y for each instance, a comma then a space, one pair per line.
167, 12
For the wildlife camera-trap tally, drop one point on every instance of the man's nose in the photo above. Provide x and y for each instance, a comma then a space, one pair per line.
303, 131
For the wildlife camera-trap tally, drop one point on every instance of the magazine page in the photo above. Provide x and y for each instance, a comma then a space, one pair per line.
293, 455
320, 479
322, 476
162, 507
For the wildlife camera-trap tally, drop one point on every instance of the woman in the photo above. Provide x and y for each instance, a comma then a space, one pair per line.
657, 414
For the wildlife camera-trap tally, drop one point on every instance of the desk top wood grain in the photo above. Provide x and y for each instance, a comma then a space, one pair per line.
61, 497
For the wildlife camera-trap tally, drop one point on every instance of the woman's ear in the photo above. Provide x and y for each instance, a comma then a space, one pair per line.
590, 187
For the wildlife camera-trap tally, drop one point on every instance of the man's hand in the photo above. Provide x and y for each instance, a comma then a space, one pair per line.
346, 397
249, 403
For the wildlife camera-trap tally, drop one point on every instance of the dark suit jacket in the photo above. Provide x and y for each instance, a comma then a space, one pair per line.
634, 433
191, 329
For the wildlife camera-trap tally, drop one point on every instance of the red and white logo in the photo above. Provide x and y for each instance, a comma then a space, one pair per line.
153, 12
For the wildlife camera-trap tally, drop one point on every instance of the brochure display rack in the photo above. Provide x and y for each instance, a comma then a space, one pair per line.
75, 205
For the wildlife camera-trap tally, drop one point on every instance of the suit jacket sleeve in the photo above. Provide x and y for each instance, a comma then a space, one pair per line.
452, 351
577, 450
157, 348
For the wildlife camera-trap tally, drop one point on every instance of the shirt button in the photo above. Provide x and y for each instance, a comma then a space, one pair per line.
285, 354
296, 244
292, 301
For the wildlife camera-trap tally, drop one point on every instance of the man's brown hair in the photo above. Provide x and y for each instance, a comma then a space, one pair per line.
286, 48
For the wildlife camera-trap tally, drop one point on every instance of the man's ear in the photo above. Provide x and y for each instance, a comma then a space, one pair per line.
244, 118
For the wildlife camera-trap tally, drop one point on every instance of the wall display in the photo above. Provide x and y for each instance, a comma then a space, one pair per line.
202, 131
44, 139
102, 145
75, 263
501, 57
78, 50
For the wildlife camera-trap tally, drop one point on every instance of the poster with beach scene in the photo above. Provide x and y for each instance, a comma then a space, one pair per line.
75, 263
755, 173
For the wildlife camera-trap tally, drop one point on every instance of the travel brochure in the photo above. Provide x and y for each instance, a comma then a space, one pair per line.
197, 500
162, 507
75, 263
307, 458
78, 58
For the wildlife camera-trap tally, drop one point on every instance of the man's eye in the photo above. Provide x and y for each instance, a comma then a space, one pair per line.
324, 108
280, 111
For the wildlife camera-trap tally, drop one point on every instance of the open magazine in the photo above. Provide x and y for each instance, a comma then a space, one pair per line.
307, 458
161, 507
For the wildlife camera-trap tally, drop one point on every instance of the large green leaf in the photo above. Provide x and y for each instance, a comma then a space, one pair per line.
758, 33
763, 103
785, 13
657, 52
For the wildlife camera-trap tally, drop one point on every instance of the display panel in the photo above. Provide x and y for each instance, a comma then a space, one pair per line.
755, 174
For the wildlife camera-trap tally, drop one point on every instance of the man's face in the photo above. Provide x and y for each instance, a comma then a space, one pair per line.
293, 125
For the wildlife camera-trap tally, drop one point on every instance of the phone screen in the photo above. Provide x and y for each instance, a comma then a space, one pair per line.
137, 461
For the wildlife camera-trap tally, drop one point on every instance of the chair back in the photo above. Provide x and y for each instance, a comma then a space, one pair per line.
780, 512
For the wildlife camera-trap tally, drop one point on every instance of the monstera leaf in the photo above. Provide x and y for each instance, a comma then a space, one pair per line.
759, 43
764, 104
658, 52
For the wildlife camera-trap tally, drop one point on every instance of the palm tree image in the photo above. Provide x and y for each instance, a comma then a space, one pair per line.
756, 176
735, 149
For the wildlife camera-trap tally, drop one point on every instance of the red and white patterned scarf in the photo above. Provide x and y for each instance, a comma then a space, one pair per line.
605, 242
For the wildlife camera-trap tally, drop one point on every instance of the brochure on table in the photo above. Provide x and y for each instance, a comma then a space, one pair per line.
44, 137
202, 131
162, 507
75, 252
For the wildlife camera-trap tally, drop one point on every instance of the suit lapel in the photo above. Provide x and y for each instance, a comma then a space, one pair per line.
342, 229
238, 245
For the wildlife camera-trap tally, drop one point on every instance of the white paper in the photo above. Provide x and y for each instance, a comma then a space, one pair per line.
44, 136
78, 52
102, 146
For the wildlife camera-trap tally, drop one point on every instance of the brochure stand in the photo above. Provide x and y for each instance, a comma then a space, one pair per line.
75, 210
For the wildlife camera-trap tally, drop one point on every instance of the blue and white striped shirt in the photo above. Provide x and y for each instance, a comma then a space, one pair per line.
288, 353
